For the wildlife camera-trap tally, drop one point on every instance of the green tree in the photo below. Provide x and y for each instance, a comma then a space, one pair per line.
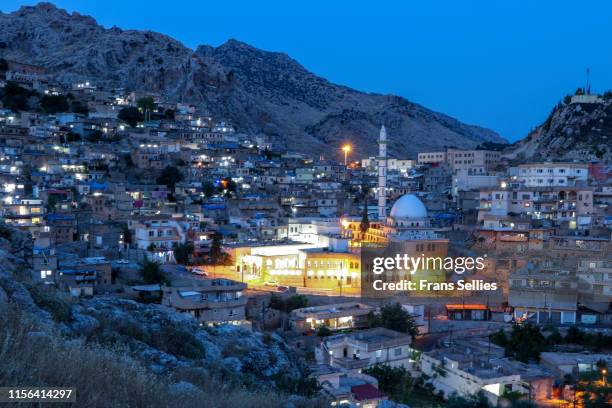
182, 252
276, 302
72, 137
79, 107
54, 103
295, 302
215, 248
152, 273
170, 175
303, 384
554, 337
394, 317
147, 106
208, 188
169, 114
287, 305
323, 331
16, 97
395, 381
95, 136
51, 203
478, 400
525, 343
499, 338
131, 116
5, 232
574, 335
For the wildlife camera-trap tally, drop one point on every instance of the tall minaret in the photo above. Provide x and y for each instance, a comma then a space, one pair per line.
382, 174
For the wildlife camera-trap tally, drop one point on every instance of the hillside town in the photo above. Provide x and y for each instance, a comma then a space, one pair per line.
133, 196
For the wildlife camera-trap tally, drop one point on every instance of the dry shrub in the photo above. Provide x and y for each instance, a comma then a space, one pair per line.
31, 355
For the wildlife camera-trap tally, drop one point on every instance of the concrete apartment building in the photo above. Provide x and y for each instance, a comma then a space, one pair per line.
210, 301
573, 205
158, 236
431, 157
467, 370
552, 174
595, 287
544, 296
476, 161
84, 276
355, 351
465, 180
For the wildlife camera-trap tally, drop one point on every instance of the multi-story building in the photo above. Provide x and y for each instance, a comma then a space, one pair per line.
595, 286
149, 156
211, 301
353, 352
85, 276
573, 205
158, 237
475, 161
431, 157
552, 174
465, 370
465, 180
25, 213
544, 296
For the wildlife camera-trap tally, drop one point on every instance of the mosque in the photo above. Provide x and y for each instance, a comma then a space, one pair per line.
325, 255
407, 221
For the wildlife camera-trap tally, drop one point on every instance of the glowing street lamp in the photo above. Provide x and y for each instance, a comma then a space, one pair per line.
346, 149
603, 376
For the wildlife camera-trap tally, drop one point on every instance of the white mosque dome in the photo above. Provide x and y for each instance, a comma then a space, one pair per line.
408, 206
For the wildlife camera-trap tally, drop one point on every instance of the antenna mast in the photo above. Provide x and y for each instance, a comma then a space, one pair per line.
588, 85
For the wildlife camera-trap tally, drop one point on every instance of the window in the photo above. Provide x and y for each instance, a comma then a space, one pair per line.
378, 353
397, 352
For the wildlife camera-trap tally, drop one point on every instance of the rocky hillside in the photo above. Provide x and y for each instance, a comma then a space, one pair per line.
122, 353
572, 131
263, 93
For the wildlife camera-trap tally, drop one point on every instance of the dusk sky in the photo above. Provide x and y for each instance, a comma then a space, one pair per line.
497, 64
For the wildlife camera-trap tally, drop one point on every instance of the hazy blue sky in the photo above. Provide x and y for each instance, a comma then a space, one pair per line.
498, 64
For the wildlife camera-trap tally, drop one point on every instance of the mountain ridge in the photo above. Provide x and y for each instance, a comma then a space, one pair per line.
264, 93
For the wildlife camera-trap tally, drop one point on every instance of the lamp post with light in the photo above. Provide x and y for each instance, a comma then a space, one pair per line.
346, 149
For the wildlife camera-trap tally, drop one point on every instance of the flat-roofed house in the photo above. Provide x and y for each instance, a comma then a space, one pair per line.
358, 350
337, 316
211, 301
466, 370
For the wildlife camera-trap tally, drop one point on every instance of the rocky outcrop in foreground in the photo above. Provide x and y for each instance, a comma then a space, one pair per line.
119, 352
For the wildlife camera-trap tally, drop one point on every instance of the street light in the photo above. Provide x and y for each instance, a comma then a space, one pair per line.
603, 376
346, 149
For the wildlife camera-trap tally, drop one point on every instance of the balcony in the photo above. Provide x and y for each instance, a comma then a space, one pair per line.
349, 363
